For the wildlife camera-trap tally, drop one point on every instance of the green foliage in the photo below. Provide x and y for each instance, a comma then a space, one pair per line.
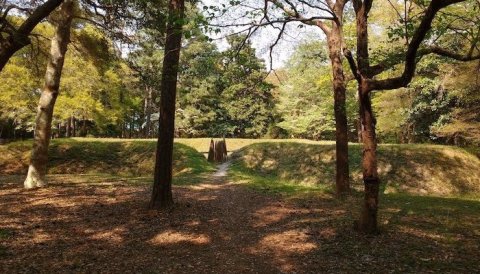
18, 94
223, 93
440, 105
461, 126
430, 107
305, 100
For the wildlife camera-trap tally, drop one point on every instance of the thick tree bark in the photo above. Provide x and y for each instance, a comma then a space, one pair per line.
162, 184
18, 38
364, 74
368, 218
43, 122
341, 127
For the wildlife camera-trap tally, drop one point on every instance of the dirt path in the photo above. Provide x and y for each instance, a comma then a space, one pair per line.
222, 170
216, 227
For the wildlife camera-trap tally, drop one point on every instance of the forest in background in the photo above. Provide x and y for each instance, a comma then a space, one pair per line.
109, 89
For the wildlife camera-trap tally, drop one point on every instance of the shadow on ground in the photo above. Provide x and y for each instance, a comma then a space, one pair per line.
223, 227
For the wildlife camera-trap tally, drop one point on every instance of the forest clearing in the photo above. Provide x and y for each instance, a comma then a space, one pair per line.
227, 136
251, 220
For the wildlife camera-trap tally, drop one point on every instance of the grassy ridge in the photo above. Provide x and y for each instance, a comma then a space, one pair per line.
127, 158
415, 169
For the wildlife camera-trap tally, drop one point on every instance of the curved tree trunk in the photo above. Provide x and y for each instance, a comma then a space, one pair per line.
43, 122
18, 38
341, 127
162, 184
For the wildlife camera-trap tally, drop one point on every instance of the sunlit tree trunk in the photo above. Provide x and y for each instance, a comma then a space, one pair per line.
148, 112
341, 128
43, 122
162, 184
368, 218
367, 222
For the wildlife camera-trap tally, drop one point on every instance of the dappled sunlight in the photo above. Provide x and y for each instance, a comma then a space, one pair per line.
207, 186
221, 225
283, 245
183, 171
287, 243
112, 236
416, 169
174, 237
420, 233
269, 164
40, 237
101, 156
271, 214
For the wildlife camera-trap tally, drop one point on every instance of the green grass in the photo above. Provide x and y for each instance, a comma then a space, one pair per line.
5, 233
132, 158
415, 169
269, 183
202, 144
429, 205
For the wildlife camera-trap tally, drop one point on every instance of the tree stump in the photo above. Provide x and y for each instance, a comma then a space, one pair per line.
211, 151
217, 152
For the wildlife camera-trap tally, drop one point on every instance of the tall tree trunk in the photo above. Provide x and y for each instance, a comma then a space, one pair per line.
83, 130
365, 75
162, 184
43, 122
341, 127
148, 112
368, 218
130, 130
74, 127
69, 128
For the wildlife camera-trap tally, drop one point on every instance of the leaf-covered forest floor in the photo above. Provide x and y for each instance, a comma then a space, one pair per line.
220, 224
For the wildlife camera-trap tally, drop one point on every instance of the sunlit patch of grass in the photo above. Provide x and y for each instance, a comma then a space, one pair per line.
270, 183
128, 159
202, 144
455, 213
417, 169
